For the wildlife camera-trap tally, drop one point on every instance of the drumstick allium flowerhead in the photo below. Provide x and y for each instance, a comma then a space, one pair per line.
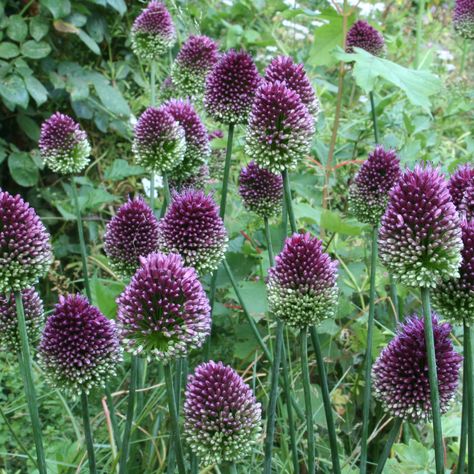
302, 287
400, 374
63, 145
132, 233
153, 32
193, 229
459, 182
420, 235
364, 36
25, 249
368, 194
34, 318
230, 88
280, 128
79, 348
164, 311
222, 419
159, 143
261, 190
167, 90
463, 18
466, 208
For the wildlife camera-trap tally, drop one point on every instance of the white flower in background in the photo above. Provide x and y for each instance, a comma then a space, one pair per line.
158, 185
363, 99
444, 55
300, 31
366, 8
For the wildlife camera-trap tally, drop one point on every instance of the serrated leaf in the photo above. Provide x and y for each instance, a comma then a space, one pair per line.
39, 27
13, 89
23, 169
36, 90
35, 50
17, 28
8, 50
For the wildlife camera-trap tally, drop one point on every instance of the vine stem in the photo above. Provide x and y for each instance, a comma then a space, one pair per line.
392, 436
25, 362
88, 433
368, 355
433, 378
419, 31
469, 354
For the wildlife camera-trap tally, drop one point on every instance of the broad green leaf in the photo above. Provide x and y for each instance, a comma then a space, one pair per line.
29, 126
17, 28
111, 98
13, 89
23, 169
35, 50
39, 27
59, 9
104, 295
8, 50
334, 222
118, 5
36, 90
121, 169
88, 41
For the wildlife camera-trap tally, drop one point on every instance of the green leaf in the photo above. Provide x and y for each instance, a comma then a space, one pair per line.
8, 50
17, 28
35, 50
112, 98
29, 126
334, 222
104, 295
58, 9
36, 90
13, 90
121, 169
39, 27
118, 5
88, 41
23, 169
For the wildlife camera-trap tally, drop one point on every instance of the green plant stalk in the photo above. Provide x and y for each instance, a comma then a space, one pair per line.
433, 378
464, 416
289, 204
368, 355
469, 354
152, 103
88, 433
463, 56
392, 436
228, 468
419, 31
336, 467
25, 360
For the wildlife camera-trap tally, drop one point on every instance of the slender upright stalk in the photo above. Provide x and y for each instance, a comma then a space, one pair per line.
25, 361
463, 56
464, 416
392, 436
368, 355
228, 468
289, 204
433, 378
419, 31
152, 103
88, 433
469, 355
268, 238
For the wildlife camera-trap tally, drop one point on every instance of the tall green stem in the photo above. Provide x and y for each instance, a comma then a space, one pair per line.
88, 433
419, 31
152, 103
289, 205
388, 445
463, 56
30, 392
368, 354
229, 468
464, 416
469, 355
433, 378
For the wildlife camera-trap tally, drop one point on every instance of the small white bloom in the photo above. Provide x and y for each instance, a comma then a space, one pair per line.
158, 185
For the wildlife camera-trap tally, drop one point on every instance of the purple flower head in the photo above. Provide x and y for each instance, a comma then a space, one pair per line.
25, 250
362, 35
400, 374
168, 90
302, 286
193, 229
420, 236
283, 69
132, 233
454, 298
368, 195
164, 311
231, 87
194, 62
280, 128
198, 148
159, 144
222, 418
466, 208
79, 348
195, 181
153, 32
458, 183
34, 317
261, 190
63, 144
463, 18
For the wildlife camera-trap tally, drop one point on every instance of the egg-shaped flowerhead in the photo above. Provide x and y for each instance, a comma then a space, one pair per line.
459, 182
463, 18
364, 36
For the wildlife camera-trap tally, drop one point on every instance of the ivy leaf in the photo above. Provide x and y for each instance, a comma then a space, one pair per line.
35, 50
13, 90
23, 169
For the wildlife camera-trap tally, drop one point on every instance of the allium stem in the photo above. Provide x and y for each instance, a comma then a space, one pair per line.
433, 377
88, 433
268, 238
368, 354
152, 103
392, 436
229, 468
419, 31
25, 361
463, 56
394, 296
464, 420
469, 355
289, 205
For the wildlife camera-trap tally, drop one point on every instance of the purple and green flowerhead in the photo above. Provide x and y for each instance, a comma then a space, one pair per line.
280, 128
364, 36
302, 286
132, 233
459, 183
231, 87
368, 194
34, 318
80, 347
463, 18
454, 298
400, 374
198, 180
261, 190
193, 229
159, 143
168, 90
420, 235
25, 249
194, 62
153, 32
164, 312
466, 208
63, 145
222, 418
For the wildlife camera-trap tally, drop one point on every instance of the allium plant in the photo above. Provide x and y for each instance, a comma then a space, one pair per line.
63, 145
34, 318
400, 374
196, 181
159, 144
153, 32
79, 347
463, 18
368, 194
466, 208
164, 311
364, 36
193, 229
459, 182
222, 416
261, 190
132, 233
302, 287
168, 90
231, 87
420, 236
280, 128
195, 60
25, 250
